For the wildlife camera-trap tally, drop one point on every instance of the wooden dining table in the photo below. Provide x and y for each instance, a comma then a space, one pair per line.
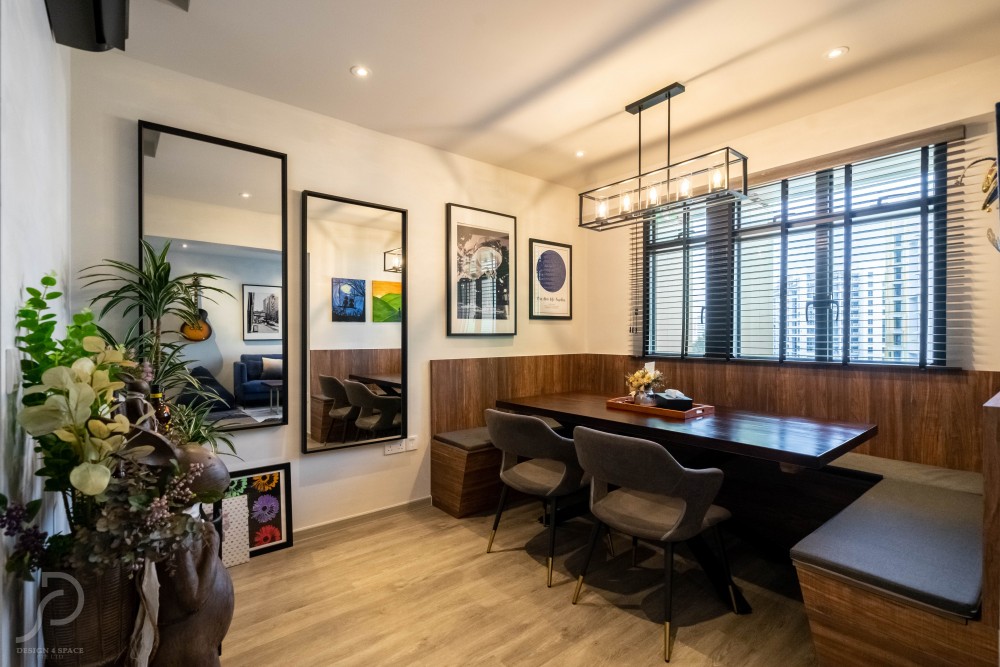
390, 383
778, 485
793, 442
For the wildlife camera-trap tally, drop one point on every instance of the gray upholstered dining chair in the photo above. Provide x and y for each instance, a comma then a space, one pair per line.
379, 414
341, 411
638, 488
550, 472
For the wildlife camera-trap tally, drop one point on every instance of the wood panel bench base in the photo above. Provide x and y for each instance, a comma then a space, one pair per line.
464, 482
856, 627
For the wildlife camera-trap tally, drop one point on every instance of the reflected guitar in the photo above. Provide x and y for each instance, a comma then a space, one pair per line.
200, 330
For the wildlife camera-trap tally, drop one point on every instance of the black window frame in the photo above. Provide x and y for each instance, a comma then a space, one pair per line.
723, 311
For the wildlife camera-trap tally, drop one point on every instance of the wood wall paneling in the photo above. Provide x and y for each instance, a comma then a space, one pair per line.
991, 520
341, 363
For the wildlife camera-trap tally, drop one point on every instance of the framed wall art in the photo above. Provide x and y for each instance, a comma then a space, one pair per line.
387, 301
347, 296
481, 248
550, 291
256, 512
262, 312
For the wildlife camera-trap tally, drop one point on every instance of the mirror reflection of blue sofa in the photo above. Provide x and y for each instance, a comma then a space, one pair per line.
248, 376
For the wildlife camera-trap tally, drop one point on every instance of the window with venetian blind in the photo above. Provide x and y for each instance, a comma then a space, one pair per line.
855, 263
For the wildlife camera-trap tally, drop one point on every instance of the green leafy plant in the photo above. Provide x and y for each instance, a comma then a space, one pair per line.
151, 295
190, 424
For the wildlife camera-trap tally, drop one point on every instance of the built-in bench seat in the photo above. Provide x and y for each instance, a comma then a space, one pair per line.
896, 577
465, 470
918, 473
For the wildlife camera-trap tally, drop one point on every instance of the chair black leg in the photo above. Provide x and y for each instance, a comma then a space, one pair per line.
552, 538
594, 537
726, 571
496, 519
635, 550
329, 430
668, 575
611, 544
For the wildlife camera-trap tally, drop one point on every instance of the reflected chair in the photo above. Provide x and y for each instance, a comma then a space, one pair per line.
550, 472
639, 489
341, 411
378, 414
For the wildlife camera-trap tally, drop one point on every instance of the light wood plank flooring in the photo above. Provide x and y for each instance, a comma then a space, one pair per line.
417, 588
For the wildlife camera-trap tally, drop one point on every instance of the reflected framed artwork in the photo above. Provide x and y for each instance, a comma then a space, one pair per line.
550, 292
347, 296
262, 312
267, 515
481, 248
387, 301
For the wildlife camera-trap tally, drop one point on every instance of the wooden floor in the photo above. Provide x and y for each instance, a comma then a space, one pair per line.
417, 588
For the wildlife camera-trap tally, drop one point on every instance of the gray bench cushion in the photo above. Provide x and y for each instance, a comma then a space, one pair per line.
918, 473
470, 439
920, 542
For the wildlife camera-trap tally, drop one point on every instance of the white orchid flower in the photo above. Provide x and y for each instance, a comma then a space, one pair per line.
83, 368
94, 344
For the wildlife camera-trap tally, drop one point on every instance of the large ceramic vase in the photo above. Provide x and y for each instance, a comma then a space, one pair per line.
98, 635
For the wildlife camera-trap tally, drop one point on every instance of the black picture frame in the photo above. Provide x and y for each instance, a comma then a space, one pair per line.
275, 292
480, 302
550, 285
284, 484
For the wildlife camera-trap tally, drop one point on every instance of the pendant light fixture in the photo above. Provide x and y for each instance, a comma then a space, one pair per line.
717, 176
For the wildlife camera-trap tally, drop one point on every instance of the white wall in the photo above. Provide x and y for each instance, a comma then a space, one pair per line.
34, 239
961, 95
110, 93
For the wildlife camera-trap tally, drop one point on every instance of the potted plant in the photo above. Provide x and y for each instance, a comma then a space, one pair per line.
128, 492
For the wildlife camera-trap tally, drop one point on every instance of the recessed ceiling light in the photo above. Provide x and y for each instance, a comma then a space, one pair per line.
837, 52
184, 245
361, 71
580, 153
246, 195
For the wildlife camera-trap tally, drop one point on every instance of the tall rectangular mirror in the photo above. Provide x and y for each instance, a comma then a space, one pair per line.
354, 334
222, 207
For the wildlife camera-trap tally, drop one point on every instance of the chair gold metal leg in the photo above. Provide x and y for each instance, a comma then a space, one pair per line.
668, 642
579, 587
611, 544
549, 564
496, 519
489, 545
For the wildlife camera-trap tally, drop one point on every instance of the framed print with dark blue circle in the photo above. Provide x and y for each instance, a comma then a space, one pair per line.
550, 290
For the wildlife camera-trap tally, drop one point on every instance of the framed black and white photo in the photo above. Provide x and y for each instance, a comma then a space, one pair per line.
550, 291
482, 288
262, 312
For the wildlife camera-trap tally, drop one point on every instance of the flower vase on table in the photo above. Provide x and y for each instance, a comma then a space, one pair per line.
641, 385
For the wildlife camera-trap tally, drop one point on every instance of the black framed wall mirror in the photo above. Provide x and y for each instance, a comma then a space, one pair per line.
222, 208
354, 329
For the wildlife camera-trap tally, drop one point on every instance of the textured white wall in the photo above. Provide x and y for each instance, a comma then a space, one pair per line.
964, 94
34, 237
110, 92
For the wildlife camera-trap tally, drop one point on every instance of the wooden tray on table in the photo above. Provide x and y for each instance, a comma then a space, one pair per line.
625, 403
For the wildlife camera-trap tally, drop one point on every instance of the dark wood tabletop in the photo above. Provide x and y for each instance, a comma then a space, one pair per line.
810, 443
391, 382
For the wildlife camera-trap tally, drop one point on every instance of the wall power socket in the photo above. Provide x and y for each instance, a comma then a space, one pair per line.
411, 443
397, 447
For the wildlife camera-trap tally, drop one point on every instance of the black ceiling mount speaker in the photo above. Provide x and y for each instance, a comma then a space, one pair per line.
91, 25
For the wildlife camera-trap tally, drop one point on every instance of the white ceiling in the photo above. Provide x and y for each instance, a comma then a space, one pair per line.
523, 84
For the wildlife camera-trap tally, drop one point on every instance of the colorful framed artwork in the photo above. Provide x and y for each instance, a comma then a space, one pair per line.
262, 312
262, 521
481, 248
347, 298
387, 301
550, 292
